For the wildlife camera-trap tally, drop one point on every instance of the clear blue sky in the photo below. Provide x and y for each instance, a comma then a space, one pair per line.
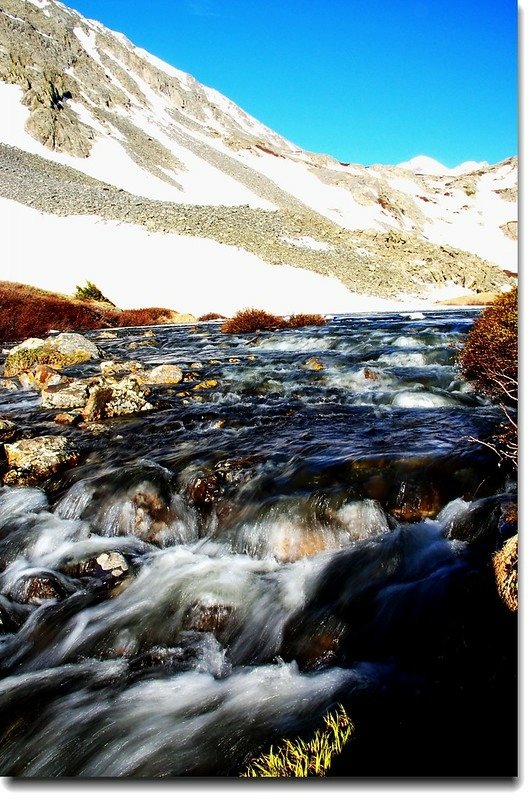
366, 81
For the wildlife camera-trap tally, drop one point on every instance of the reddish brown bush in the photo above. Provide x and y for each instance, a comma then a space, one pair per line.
490, 360
301, 320
253, 319
144, 316
490, 355
210, 316
26, 311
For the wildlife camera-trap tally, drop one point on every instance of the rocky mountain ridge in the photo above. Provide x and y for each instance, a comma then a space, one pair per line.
95, 126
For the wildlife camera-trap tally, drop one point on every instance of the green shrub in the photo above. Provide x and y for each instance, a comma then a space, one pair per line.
299, 759
91, 292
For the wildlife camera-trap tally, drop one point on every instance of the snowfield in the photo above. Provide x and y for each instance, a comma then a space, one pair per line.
136, 269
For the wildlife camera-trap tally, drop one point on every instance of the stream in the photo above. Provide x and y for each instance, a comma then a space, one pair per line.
311, 525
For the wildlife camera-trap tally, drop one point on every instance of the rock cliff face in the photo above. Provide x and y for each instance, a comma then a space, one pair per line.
93, 125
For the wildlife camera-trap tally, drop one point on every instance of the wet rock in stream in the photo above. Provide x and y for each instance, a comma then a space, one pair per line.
33, 460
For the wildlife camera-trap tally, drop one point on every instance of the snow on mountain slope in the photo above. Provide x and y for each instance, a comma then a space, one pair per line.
424, 165
84, 97
160, 261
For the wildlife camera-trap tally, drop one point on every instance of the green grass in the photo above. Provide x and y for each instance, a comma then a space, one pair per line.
300, 759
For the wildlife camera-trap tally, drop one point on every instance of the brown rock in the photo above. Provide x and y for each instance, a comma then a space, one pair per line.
67, 419
370, 374
417, 499
120, 398
39, 589
119, 367
8, 430
210, 384
71, 395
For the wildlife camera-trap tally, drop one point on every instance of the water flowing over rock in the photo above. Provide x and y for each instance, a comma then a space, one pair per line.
211, 578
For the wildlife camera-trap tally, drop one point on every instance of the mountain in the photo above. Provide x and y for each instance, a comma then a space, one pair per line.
118, 168
424, 165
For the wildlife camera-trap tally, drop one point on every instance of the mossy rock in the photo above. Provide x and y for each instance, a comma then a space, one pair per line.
25, 359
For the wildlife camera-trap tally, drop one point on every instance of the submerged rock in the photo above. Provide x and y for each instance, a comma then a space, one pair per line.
12, 616
38, 589
113, 368
108, 566
315, 364
209, 617
32, 460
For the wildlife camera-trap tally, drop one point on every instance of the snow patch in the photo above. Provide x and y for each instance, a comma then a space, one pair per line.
87, 40
425, 165
307, 242
136, 268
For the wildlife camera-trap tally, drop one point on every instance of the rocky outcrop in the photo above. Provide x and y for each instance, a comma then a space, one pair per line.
83, 83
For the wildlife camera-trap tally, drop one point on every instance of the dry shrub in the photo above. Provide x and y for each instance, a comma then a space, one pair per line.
250, 320
144, 316
489, 358
302, 320
26, 311
505, 564
210, 316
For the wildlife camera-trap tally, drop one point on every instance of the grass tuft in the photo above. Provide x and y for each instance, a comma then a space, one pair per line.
300, 759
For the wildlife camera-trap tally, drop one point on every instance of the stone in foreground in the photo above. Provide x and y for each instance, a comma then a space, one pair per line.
32, 460
59, 352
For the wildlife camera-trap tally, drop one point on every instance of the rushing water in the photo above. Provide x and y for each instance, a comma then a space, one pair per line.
313, 528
